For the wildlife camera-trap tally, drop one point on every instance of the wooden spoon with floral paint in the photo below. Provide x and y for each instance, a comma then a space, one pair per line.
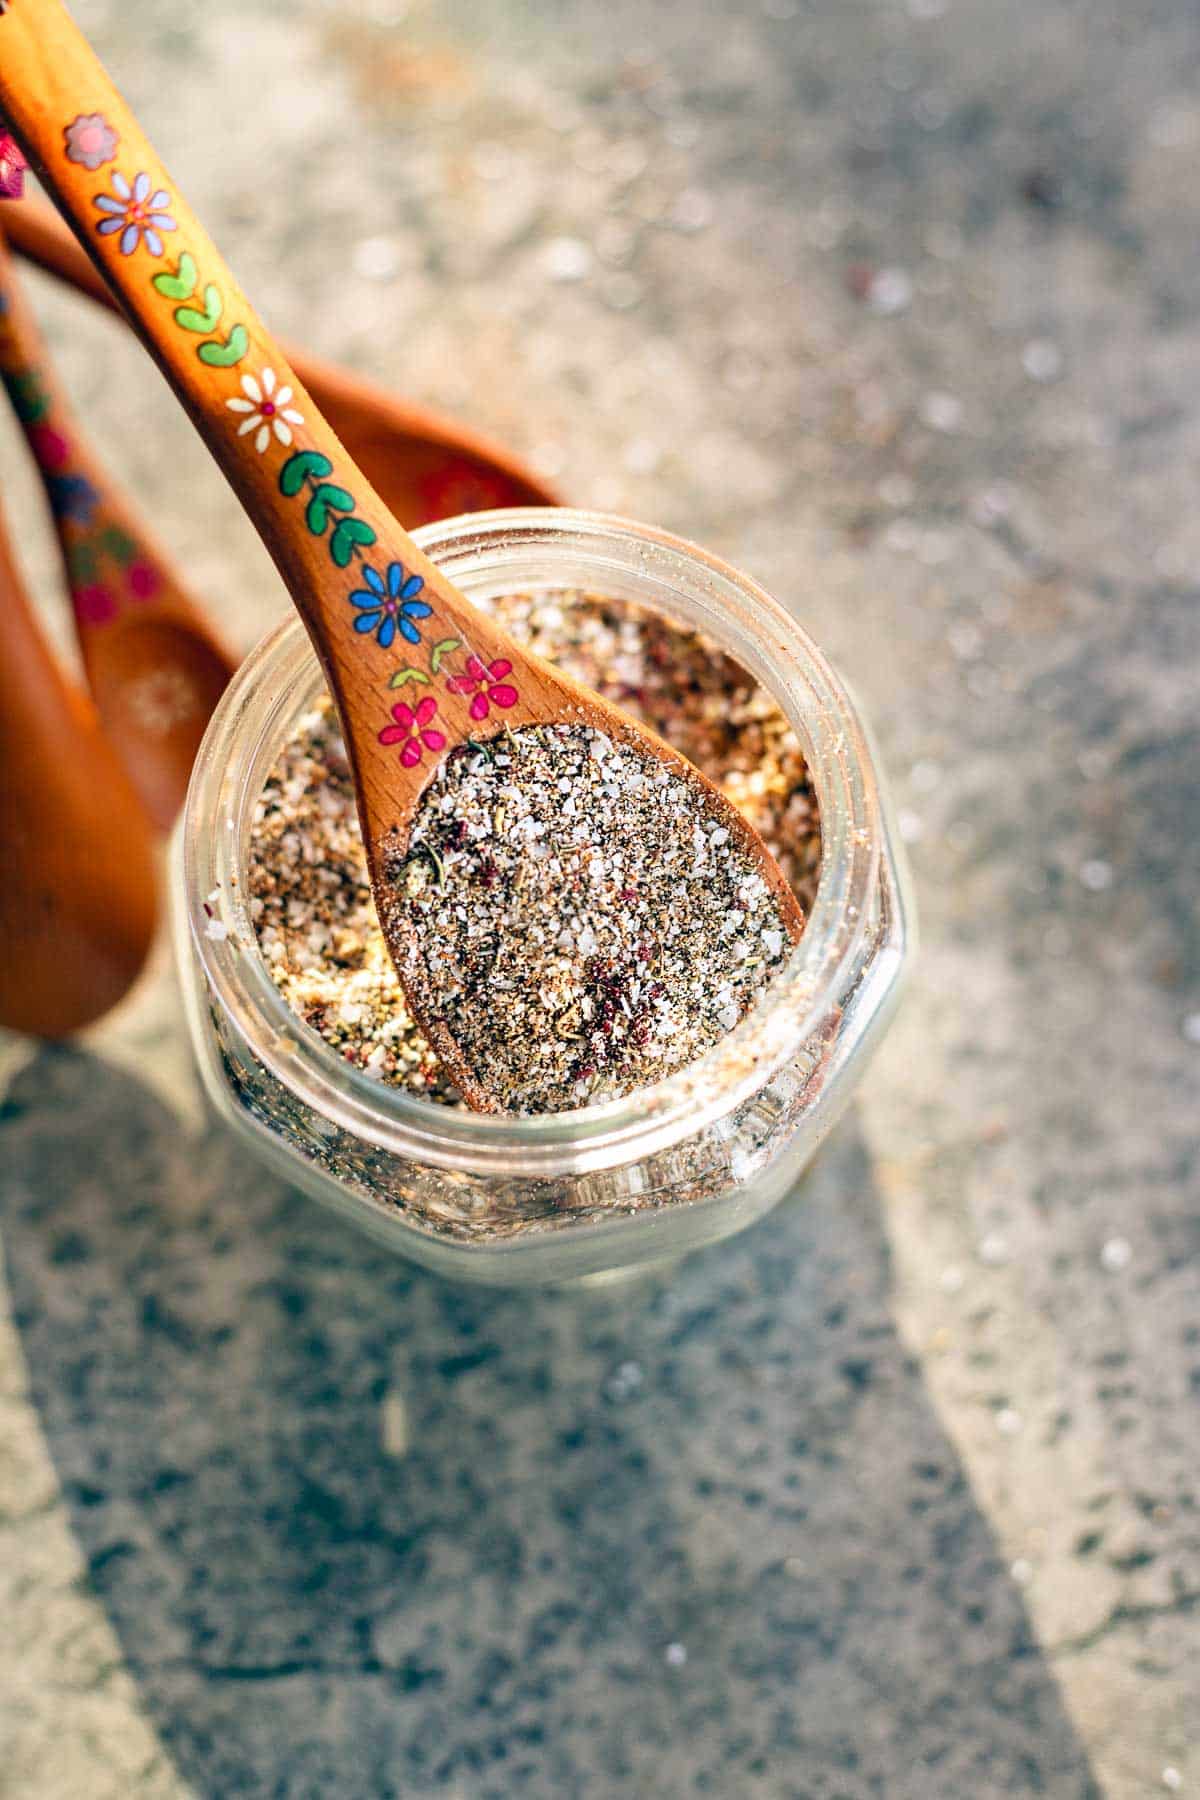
423, 465
380, 614
78, 901
155, 666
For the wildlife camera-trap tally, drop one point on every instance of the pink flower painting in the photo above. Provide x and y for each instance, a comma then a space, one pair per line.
414, 730
487, 683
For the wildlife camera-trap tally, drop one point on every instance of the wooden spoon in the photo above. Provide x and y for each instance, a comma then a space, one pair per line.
379, 612
77, 897
155, 667
422, 465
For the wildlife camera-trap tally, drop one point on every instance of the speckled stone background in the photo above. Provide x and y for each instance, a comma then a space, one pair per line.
895, 304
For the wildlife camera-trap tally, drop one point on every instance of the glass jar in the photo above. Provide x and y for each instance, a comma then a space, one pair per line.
607, 1188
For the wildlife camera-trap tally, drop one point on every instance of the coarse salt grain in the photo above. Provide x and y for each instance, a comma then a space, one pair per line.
1117, 1254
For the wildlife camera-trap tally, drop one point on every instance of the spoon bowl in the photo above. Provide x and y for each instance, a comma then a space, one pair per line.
160, 681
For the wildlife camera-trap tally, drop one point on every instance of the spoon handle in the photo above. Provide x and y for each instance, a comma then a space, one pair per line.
354, 574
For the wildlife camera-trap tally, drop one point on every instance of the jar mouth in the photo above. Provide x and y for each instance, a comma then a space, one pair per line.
489, 554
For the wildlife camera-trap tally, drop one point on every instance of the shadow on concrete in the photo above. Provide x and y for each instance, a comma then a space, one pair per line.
363, 1534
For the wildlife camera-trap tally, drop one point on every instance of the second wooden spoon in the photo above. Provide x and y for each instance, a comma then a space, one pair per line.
155, 666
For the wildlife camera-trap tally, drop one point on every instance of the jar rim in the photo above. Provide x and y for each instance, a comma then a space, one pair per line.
604, 553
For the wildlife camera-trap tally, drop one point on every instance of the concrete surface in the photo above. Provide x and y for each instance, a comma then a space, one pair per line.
896, 306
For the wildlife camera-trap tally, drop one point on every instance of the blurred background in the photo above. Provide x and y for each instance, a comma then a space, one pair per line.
894, 304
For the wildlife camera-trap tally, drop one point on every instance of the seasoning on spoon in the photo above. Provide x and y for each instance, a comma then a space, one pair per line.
584, 919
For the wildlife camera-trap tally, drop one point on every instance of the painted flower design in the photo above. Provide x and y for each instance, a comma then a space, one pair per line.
386, 607
73, 497
91, 140
267, 408
12, 168
487, 683
94, 604
49, 446
414, 730
143, 579
29, 397
161, 699
136, 213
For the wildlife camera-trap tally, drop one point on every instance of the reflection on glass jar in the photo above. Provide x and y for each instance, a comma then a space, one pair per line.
618, 1185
